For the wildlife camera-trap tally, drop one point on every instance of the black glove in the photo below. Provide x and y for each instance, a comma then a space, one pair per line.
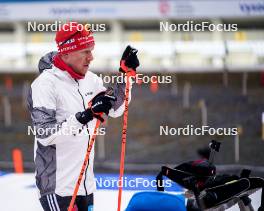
85, 116
129, 60
101, 103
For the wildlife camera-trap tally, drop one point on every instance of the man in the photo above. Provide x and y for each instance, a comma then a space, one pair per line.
58, 102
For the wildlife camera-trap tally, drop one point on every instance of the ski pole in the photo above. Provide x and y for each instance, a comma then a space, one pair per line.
123, 149
85, 162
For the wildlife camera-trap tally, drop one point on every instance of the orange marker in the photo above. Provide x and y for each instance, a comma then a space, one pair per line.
18, 161
8, 83
154, 84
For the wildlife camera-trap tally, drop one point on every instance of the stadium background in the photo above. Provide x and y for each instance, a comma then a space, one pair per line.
217, 77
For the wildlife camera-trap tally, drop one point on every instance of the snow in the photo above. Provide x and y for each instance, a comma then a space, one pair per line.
18, 192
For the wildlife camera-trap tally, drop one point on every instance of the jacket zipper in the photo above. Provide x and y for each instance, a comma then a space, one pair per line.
88, 142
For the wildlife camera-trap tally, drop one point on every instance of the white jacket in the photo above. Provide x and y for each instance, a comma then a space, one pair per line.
54, 99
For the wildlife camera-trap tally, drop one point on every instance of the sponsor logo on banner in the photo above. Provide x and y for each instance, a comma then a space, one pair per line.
69, 11
116, 9
164, 7
250, 8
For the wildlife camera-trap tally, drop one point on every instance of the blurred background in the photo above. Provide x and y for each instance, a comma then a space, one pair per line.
217, 77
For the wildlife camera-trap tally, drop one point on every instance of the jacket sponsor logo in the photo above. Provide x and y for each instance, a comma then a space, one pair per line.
98, 103
88, 93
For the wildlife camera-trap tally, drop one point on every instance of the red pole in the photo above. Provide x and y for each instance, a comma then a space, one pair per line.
123, 149
85, 162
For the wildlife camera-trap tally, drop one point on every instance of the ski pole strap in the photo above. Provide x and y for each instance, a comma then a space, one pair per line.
125, 69
99, 117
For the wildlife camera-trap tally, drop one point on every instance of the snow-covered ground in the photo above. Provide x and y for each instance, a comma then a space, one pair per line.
18, 193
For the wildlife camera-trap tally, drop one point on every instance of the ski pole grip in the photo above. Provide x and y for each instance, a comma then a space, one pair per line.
215, 145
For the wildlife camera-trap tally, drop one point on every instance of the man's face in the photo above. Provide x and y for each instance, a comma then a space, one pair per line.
80, 60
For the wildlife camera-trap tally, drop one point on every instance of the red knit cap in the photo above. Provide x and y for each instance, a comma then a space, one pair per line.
73, 36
